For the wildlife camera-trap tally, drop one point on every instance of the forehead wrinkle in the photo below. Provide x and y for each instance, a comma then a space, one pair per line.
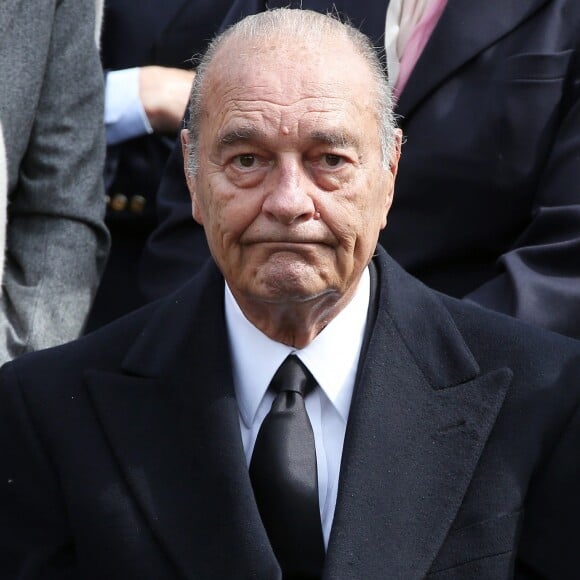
251, 133
277, 90
245, 117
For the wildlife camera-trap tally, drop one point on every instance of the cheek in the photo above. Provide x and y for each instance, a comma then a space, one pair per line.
379, 200
226, 213
357, 214
210, 208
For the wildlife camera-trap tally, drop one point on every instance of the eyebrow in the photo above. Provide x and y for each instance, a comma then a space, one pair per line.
335, 138
240, 135
250, 133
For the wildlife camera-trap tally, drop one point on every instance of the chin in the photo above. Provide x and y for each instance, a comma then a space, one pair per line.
285, 281
285, 291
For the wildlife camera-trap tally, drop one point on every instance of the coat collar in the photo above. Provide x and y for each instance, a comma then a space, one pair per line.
418, 422
466, 28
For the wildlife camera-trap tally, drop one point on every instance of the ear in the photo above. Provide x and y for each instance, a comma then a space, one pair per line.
392, 174
189, 178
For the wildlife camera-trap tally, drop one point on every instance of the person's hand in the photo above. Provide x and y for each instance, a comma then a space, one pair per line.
164, 93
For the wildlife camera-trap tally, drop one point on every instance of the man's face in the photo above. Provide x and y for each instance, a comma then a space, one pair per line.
291, 189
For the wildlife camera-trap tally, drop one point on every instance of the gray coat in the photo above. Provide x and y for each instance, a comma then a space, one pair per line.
51, 101
3, 199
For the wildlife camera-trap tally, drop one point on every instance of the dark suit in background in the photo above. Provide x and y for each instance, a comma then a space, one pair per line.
488, 203
138, 34
460, 460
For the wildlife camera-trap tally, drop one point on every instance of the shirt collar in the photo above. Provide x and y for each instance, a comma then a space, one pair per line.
332, 357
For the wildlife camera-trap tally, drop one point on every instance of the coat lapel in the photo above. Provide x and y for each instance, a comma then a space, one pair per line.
190, 480
466, 28
418, 423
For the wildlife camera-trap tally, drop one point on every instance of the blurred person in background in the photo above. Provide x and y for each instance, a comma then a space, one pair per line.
146, 51
51, 111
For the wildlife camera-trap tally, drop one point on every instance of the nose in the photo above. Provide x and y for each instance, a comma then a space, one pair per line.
288, 197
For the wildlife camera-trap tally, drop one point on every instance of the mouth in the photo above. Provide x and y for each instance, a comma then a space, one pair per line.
303, 248
289, 244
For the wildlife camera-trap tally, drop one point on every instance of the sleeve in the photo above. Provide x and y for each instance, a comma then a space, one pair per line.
56, 239
35, 539
539, 278
125, 117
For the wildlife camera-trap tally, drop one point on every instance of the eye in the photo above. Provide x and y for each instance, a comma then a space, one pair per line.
332, 160
246, 160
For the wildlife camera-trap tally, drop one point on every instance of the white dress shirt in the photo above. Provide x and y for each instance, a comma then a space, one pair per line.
332, 358
125, 117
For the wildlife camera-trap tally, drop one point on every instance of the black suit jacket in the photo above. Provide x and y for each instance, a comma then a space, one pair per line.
487, 202
121, 455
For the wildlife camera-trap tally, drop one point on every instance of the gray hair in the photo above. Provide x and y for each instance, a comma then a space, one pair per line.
294, 23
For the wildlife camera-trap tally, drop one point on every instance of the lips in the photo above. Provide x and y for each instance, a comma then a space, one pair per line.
302, 238
289, 245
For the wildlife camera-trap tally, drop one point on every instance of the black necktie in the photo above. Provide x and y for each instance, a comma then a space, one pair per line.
284, 476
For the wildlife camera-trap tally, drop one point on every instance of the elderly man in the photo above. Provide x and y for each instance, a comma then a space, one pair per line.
303, 408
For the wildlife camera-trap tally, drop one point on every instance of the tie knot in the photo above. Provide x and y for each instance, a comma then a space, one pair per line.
292, 375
